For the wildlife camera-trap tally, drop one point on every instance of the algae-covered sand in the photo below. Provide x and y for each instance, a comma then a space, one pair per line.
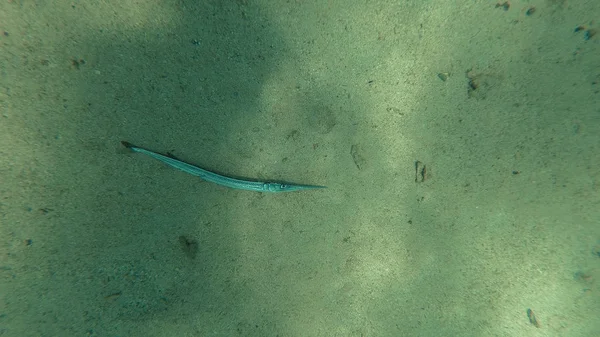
459, 141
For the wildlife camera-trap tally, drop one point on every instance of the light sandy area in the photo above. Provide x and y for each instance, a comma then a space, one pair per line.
459, 141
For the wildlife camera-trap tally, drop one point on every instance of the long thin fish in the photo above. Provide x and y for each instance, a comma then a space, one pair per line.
240, 184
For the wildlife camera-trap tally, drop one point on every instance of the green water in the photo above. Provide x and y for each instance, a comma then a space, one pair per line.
459, 142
